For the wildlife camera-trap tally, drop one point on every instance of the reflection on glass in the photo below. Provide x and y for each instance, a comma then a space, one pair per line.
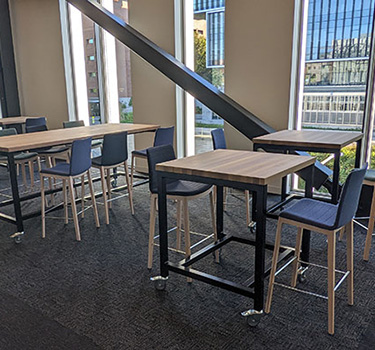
209, 64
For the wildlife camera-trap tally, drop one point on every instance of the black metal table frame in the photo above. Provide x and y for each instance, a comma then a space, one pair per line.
254, 287
17, 199
336, 164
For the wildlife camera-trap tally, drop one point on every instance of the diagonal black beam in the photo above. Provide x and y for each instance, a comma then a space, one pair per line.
243, 120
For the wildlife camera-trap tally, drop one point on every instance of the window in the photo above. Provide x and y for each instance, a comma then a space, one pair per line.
91, 58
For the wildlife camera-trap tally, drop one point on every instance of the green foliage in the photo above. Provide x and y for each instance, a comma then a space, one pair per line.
203, 125
126, 117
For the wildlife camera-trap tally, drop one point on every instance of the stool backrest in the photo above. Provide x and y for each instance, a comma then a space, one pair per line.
157, 155
349, 199
73, 124
36, 128
80, 160
35, 121
218, 139
164, 136
115, 148
8, 132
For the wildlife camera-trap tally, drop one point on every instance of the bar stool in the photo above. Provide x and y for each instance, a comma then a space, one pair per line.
179, 190
114, 154
370, 181
218, 140
163, 136
22, 158
328, 219
79, 166
78, 123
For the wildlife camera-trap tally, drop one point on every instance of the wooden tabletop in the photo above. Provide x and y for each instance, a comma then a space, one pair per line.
56, 137
15, 120
241, 166
309, 138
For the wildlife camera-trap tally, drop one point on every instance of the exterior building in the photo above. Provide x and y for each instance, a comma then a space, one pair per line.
337, 55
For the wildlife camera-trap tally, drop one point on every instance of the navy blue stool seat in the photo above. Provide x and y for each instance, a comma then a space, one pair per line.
179, 190
312, 212
163, 136
79, 167
114, 155
328, 219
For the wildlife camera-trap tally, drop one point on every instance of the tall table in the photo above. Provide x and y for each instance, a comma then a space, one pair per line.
243, 170
16, 122
313, 141
9, 145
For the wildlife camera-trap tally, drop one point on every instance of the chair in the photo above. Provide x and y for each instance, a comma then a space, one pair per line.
35, 122
163, 136
218, 140
79, 166
179, 190
370, 181
78, 123
114, 154
21, 159
328, 219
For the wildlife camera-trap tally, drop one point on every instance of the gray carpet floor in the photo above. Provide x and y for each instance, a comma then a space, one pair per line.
56, 293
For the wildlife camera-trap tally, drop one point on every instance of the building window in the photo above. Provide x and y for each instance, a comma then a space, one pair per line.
91, 58
90, 41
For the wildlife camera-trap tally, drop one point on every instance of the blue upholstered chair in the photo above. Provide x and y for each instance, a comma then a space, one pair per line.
114, 154
78, 123
328, 219
179, 190
218, 140
163, 136
35, 122
79, 166
21, 159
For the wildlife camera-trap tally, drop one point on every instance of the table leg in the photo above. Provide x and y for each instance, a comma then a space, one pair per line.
358, 154
261, 205
15, 194
163, 224
336, 177
220, 211
305, 253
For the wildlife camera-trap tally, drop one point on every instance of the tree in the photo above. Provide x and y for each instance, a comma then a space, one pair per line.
200, 57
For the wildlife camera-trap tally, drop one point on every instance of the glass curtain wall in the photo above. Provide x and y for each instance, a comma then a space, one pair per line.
336, 65
209, 17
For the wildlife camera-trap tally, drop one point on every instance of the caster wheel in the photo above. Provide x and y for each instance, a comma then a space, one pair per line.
160, 284
253, 320
17, 240
253, 227
301, 278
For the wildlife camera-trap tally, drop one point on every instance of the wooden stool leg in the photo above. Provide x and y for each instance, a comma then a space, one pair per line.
151, 230
23, 170
342, 233
331, 281
49, 165
274, 265
132, 170
187, 232
225, 198
102, 177
297, 253
31, 170
213, 218
93, 200
370, 228
83, 196
65, 195
349, 262
178, 230
109, 187
247, 200
74, 209
130, 187
43, 206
